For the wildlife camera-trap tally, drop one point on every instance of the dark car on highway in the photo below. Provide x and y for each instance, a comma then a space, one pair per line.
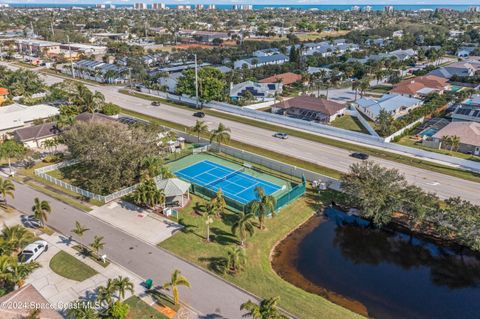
155, 103
199, 114
361, 156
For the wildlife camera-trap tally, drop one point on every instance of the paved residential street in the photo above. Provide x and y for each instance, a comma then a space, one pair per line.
220, 300
332, 157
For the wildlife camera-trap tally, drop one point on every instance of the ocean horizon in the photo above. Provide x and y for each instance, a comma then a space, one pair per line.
323, 7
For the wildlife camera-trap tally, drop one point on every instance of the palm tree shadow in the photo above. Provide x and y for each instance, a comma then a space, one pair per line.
216, 264
159, 297
229, 219
222, 237
188, 228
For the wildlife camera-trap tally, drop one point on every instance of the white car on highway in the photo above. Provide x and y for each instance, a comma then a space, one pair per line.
32, 251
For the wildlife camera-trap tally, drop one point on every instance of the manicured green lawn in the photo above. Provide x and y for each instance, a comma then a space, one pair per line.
139, 309
432, 166
350, 123
258, 277
70, 267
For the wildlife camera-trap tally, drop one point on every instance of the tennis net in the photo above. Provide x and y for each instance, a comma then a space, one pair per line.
224, 178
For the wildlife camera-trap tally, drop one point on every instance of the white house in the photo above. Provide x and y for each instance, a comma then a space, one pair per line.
395, 104
260, 61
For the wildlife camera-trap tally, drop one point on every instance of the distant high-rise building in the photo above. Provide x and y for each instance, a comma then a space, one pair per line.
355, 8
183, 7
388, 9
211, 7
242, 7
100, 6
367, 9
140, 6
474, 9
199, 6
159, 6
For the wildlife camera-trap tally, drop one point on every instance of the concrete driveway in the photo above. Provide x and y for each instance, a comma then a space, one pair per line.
136, 221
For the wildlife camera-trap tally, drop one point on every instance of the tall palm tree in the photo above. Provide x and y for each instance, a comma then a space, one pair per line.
208, 214
266, 309
105, 293
97, 244
6, 189
122, 285
446, 141
176, 280
243, 225
199, 128
221, 135
263, 206
236, 259
15, 237
41, 209
455, 142
148, 194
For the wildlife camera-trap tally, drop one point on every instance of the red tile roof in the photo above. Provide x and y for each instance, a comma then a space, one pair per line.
311, 103
3, 91
286, 78
412, 86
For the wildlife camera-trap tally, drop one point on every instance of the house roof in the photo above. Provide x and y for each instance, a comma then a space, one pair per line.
3, 91
26, 295
311, 103
86, 116
36, 132
388, 102
266, 59
468, 132
17, 115
286, 78
257, 89
172, 186
413, 86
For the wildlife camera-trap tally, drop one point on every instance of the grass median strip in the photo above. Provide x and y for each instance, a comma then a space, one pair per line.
403, 159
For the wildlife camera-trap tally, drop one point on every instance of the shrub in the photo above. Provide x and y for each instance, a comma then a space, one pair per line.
119, 310
110, 109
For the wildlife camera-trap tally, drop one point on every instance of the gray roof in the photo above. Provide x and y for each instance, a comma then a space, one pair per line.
172, 186
36, 132
267, 59
388, 102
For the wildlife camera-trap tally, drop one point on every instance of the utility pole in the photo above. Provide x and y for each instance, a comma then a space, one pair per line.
51, 28
70, 53
196, 82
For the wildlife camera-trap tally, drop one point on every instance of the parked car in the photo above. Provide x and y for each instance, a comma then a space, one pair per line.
281, 135
32, 251
155, 103
199, 114
361, 156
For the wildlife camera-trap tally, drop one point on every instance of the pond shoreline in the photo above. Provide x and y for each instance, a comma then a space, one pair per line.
283, 258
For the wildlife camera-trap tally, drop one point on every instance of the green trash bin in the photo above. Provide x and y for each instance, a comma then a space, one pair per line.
149, 283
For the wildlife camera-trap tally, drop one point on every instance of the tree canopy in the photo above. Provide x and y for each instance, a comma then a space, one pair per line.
211, 84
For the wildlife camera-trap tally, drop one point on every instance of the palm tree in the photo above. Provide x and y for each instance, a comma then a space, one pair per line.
18, 272
266, 309
236, 259
363, 86
41, 209
355, 86
219, 203
15, 237
6, 189
208, 214
455, 142
220, 135
176, 280
199, 128
122, 285
83, 310
79, 229
263, 206
446, 141
243, 225
97, 244
105, 293
148, 194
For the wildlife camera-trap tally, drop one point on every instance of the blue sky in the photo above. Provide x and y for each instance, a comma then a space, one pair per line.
280, 2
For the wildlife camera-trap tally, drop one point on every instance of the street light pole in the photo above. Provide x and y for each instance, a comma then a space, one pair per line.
70, 53
196, 82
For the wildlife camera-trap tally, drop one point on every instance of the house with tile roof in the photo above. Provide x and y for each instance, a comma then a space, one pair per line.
3, 95
284, 78
34, 136
467, 132
421, 86
310, 108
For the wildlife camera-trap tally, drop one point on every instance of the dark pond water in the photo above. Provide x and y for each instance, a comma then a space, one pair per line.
392, 274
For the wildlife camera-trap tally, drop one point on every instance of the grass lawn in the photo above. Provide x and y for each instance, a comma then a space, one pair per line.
70, 267
350, 123
407, 141
139, 309
428, 165
258, 277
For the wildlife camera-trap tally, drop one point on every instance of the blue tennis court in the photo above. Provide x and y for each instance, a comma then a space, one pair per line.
235, 184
